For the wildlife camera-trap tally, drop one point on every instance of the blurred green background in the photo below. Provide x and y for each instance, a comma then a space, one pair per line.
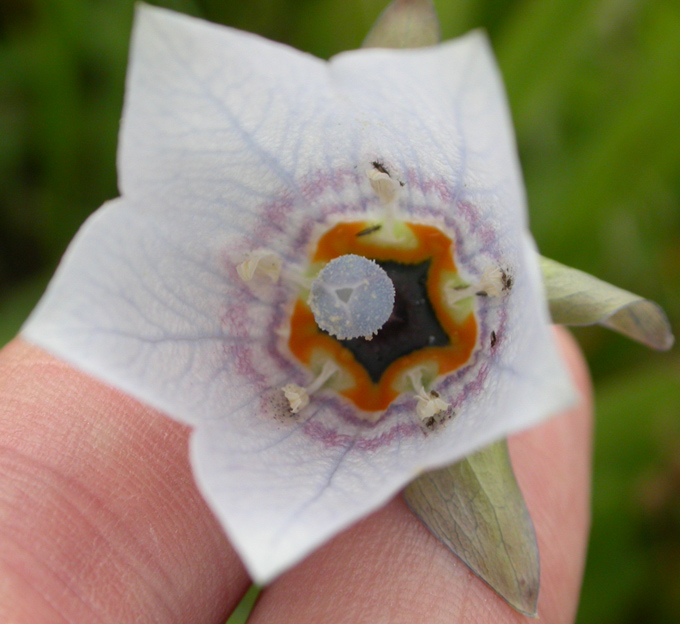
594, 87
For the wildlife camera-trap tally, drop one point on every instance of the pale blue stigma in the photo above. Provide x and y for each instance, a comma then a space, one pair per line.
351, 297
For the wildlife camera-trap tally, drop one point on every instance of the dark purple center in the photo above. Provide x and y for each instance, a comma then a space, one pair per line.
412, 326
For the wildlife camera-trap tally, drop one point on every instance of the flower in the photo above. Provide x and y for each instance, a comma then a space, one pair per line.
245, 167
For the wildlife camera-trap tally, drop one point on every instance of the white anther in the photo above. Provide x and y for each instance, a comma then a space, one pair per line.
386, 188
298, 397
429, 404
491, 284
260, 262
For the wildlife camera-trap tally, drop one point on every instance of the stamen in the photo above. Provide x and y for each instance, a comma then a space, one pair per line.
265, 263
298, 397
386, 188
429, 404
491, 284
294, 277
260, 262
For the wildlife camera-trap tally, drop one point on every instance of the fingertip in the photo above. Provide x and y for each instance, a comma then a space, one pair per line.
552, 463
101, 519
577, 364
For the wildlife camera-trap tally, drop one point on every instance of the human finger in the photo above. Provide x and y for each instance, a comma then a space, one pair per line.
100, 519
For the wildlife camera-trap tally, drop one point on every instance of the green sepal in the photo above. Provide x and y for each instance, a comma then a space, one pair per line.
576, 298
405, 24
476, 508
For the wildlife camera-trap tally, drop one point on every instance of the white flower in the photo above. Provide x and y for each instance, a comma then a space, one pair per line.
238, 150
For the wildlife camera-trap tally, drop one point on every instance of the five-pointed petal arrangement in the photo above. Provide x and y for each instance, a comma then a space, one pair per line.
245, 168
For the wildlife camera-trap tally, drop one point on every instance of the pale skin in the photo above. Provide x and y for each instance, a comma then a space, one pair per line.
100, 521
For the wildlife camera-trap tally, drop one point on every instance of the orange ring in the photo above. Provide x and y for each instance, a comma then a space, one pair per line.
307, 339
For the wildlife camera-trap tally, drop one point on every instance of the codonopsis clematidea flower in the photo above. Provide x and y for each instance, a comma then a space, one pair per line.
323, 267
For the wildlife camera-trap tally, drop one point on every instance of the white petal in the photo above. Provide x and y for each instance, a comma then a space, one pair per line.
215, 118
231, 143
438, 113
141, 303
